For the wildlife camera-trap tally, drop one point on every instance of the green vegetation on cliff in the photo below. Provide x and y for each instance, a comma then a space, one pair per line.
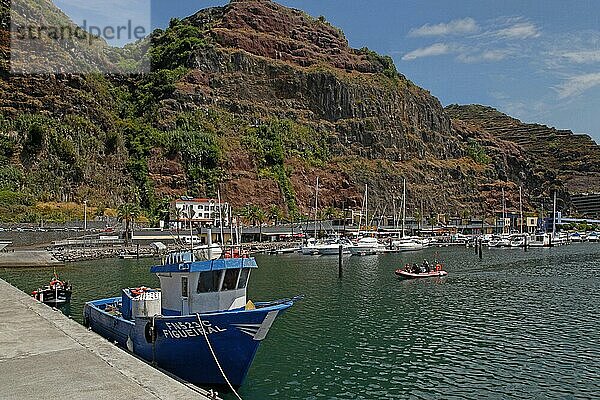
256, 111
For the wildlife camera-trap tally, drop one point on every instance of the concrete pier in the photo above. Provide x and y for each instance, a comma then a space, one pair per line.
28, 258
44, 354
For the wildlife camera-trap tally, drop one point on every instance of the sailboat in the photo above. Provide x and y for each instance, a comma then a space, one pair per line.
366, 245
309, 247
406, 243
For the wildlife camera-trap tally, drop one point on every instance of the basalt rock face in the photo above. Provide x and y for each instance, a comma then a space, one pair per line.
259, 62
369, 118
269, 60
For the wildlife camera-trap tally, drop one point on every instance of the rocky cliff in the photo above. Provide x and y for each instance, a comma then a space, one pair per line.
257, 100
563, 157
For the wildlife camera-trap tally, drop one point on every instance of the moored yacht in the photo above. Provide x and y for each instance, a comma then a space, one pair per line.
366, 246
309, 247
499, 241
332, 246
541, 240
408, 244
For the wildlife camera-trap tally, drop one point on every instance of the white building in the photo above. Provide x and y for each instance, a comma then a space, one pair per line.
200, 211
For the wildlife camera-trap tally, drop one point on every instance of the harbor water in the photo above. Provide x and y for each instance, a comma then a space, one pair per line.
515, 325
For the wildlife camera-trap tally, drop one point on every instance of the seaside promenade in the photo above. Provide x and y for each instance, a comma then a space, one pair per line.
44, 354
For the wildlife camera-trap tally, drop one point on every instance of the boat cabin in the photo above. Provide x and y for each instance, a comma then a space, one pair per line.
190, 287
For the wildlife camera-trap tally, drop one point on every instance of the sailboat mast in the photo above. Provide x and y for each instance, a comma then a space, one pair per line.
554, 217
403, 206
366, 205
503, 212
221, 219
521, 205
395, 215
316, 206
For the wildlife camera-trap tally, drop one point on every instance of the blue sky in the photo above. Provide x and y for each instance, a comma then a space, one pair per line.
538, 61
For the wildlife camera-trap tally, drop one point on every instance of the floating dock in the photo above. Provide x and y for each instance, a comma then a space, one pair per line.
44, 354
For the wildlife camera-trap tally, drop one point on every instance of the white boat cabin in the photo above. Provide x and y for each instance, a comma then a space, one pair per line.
190, 287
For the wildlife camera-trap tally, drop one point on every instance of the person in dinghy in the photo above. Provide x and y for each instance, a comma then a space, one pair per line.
425, 270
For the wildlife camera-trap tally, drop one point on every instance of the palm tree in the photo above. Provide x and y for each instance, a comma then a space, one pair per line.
128, 212
257, 216
178, 216
274, 214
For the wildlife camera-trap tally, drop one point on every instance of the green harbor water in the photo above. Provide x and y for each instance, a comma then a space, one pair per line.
516, 325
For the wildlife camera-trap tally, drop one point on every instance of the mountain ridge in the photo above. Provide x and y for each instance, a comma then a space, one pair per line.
256, 98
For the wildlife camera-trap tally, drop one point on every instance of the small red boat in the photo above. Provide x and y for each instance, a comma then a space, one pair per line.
401, 273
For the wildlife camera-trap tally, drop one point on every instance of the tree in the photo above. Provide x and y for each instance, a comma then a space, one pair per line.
177, 216
274, 214
332, 213
257, 216
128, 212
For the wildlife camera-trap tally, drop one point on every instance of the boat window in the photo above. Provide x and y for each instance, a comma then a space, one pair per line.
208, 281
231, 278
184, 286
244, 278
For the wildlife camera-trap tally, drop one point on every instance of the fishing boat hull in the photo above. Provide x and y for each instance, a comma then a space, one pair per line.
410, 275
179, 343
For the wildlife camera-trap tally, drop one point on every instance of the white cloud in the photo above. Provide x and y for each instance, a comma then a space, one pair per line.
436, 49
519, 30
578, 84
582, 57
457, 26
485, 56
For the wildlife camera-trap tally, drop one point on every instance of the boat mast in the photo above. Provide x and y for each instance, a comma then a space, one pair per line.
190, 210
521, 206
503, 212
220, 218
395, 214
403, 206
316, 205
554, 217
366, 206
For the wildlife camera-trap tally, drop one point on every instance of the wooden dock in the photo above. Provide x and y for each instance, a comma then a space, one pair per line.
44, 354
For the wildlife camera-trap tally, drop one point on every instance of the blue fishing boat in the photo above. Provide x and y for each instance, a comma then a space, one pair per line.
199, 326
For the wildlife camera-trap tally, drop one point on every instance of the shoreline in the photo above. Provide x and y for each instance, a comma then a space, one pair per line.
39, 258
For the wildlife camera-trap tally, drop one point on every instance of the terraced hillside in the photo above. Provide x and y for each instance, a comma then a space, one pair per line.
574, 158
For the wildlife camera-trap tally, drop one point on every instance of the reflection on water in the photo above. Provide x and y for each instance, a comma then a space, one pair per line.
515, 325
